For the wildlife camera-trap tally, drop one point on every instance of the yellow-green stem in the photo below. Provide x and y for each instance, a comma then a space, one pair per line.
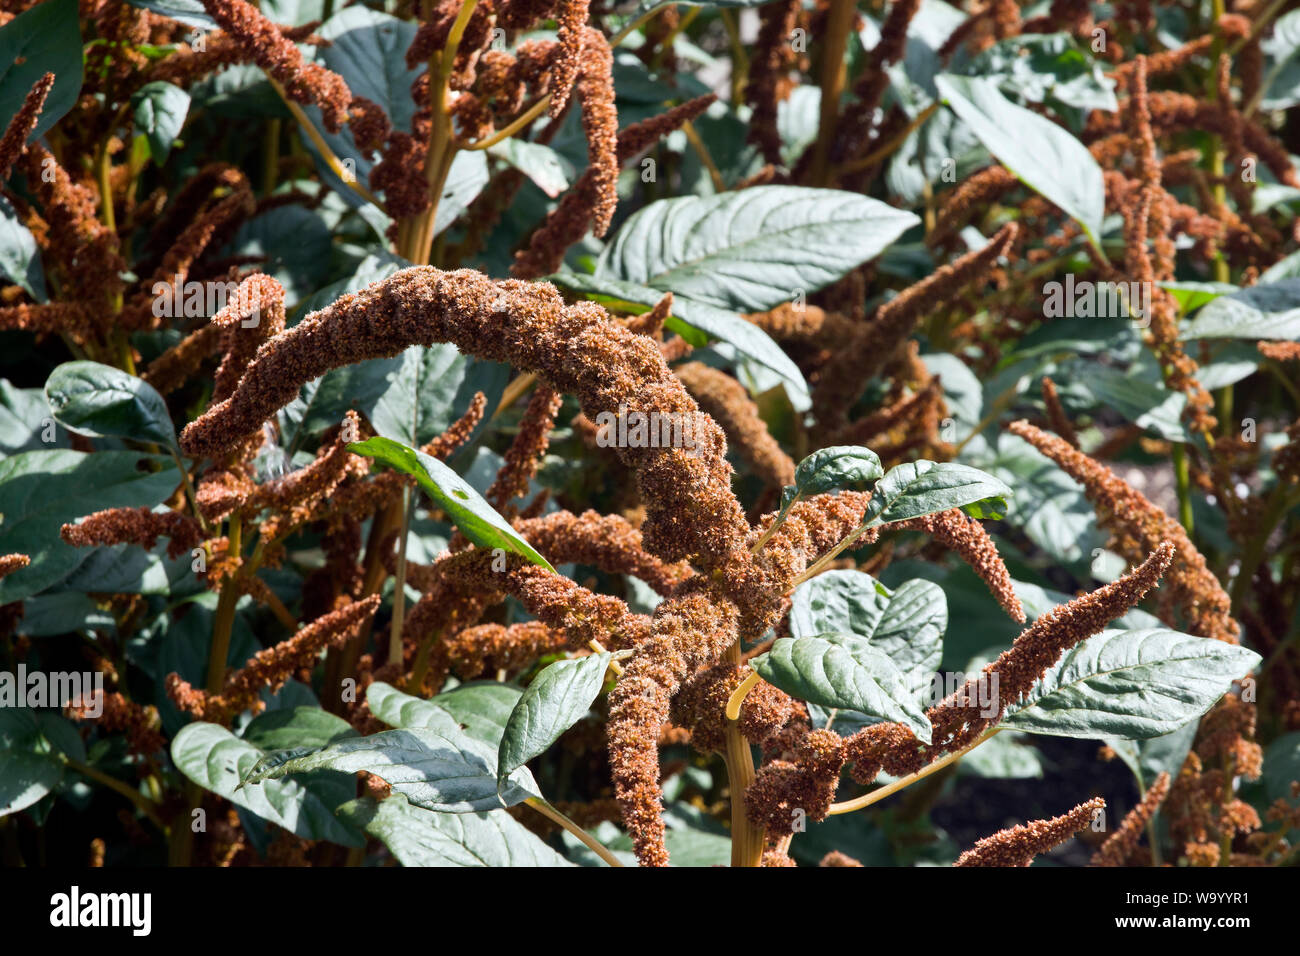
746, 838
589, 841
875, 796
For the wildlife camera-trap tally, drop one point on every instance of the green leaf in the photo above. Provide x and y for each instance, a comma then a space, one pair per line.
32, 747
1192, 295
1049, 506
20, 260
843, 671
1282, 767
160, 111
25, 421
1008, 756
840, 467
439, 769
471, 514
924, 487
1260, 312
1047, 66
754, 249
1288, 267
480, 708
1155, 755
296, 243
399, 709
697, 322
40, 491
215, 759
1045, 157
557, 699
189, 12
1132, 684
105, 402
43, 39
419, 837
1145, 401
549, 171
906, 624
1282, 81
291, 727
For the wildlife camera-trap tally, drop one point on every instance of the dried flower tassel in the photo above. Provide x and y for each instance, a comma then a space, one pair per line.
1192, 591
14, 140
1119, 846
1017, 846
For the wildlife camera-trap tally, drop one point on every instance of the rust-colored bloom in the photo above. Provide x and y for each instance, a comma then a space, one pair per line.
1119, 846
571, 219
573, 50
525, 453
963, 534
9, 563
1017, 846
135, 526
304, 82
1192, 594
1056, 413
271, 667
14, 140
727, 401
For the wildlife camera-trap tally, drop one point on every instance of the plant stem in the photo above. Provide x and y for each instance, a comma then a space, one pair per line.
820, 564
103, 168
702, 151
223, 621
327, 154
746, 839
399, 595
739, 58
875, 796
517, 124
142, 803
738, 695
555, 816
880, 152
1183, 478
839, 24
639, 22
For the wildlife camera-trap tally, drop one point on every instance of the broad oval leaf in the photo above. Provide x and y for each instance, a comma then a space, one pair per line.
105, 402
924, 487
43, 39
216, 760
1260, 312
479, 708
754, 249
32, 745
556, 700
475, 517
838, 467
20, 260
906, 624
549, 171
697, 322
160, 111
441, 769
1045, 157
843, 671
40, 491
419, 837
1131, 684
